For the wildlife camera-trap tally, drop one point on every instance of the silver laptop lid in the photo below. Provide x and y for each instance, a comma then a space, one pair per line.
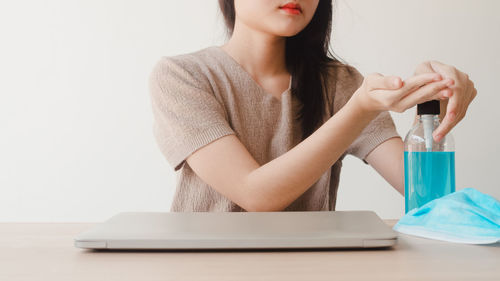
238, 230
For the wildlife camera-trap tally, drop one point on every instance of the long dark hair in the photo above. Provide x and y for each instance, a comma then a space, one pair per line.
308, 57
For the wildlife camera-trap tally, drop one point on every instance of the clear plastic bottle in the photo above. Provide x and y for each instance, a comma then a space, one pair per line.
429, 166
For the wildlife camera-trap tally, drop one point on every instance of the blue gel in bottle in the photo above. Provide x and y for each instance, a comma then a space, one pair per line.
429, 166
428, 175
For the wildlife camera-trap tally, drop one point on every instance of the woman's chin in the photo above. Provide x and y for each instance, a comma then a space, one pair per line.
287, 32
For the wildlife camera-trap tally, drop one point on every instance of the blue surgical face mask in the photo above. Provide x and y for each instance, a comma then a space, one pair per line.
465, 216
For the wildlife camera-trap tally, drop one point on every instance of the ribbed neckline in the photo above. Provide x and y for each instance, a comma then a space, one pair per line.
249, 77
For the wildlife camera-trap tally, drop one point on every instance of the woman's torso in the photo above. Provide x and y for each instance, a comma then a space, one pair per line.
264, 124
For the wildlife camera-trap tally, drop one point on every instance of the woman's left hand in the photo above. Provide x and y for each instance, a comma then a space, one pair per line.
462, 94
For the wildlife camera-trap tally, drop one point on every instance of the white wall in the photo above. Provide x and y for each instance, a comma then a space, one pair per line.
75, 120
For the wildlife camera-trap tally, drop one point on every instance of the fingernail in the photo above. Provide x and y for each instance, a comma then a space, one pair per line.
396, 82
437, 77
449, 82
437, 137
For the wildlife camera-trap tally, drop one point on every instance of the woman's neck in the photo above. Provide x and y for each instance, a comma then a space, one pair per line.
260, 54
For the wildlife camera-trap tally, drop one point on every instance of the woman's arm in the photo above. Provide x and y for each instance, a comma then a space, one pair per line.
387, 159
227, 166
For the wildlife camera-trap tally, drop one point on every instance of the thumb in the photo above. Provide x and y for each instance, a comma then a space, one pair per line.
389, 82
393, 82
378, 81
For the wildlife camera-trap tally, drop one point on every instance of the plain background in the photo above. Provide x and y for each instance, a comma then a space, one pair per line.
76, 139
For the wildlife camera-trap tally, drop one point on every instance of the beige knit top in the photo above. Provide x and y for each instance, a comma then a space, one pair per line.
201, 96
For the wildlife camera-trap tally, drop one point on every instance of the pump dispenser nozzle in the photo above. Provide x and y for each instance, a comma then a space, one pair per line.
428, 110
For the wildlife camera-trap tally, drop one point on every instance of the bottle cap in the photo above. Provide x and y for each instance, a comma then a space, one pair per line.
429, 107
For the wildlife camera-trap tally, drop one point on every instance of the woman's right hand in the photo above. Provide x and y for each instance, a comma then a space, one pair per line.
389, 93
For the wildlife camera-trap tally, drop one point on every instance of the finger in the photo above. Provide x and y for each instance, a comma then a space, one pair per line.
444, 94
449, 121
413, 83
425, 93
378, 81
424, 67
446, 70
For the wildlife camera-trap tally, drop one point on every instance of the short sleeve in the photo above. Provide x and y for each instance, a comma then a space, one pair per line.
187, 115
377, 131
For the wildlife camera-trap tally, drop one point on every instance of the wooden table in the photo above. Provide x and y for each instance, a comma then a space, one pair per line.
45, 251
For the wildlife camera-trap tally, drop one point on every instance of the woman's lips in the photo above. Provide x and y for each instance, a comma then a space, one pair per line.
291, 8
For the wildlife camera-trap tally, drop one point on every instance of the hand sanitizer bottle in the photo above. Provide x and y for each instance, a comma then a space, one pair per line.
429, 166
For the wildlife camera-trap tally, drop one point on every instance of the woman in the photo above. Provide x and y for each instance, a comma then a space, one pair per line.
263, 122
